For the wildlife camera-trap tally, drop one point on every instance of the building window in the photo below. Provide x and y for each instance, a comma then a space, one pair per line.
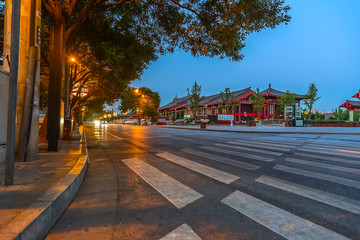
213, 111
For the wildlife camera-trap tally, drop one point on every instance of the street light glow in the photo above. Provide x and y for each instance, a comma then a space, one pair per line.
73, 59
137, 90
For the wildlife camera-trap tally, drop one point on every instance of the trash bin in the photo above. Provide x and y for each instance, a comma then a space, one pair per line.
203, 125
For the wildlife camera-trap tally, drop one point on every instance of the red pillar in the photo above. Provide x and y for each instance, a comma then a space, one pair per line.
239, 111
264, 111
268, 111
274, 109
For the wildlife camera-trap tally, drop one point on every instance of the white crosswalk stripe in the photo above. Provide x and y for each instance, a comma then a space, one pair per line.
184, 232
249, 149
317, 195
239, 154
222, 159
216, 174
321, 176
177, 193
273, 144
335, 149
324, 165
270, 146
344, 153
329, 146
333, 159
280, 221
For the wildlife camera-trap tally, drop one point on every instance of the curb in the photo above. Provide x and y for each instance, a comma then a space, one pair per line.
36, 221
287, 132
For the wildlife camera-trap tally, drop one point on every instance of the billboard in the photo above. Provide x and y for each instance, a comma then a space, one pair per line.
225, 117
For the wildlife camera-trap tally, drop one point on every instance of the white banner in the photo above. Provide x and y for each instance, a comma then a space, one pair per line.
225, 117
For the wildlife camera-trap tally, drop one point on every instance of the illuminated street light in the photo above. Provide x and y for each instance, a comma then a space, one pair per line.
73, 59
136, 90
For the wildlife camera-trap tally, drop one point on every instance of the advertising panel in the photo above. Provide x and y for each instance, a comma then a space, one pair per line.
225, 117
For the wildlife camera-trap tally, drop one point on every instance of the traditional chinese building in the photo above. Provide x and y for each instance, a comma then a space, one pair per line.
352, 106
210, 105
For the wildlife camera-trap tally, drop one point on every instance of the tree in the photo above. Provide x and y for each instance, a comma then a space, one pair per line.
204, 28
195, 98
311, 97
228, 104
227, 99
258, 101
287, 100
144, 102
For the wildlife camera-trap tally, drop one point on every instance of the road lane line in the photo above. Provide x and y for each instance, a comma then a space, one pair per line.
249, 149
177, 193
333, 159
239, 154
342, 154
184, 232
263, 145
222, 159
314, 194
321, 176
324, 165
119, 138
200, 168
278, 220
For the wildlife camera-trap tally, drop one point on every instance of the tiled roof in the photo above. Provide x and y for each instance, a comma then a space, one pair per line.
354, 103
236, 94
175, 102
274, 92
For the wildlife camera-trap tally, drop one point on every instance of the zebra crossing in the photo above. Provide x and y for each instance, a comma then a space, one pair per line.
245, 157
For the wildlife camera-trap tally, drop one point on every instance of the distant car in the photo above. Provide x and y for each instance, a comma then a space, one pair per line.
103, 122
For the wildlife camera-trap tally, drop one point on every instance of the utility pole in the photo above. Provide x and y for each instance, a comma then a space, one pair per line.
13, 77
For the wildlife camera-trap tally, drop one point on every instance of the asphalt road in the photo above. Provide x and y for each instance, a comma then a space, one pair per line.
187, 184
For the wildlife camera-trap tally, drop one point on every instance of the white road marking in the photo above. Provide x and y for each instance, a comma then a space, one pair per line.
177, 193
200, 168
324, 165
342, 154
184, 232
321, 176
119, 138
333, 159
334, 149
317, 195
264, 145
279, 221
331, 146
249, 149
222, 159
239, 154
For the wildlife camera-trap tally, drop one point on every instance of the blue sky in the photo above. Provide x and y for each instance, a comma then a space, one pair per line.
321, 44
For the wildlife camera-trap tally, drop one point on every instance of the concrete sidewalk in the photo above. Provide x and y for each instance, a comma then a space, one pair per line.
41, 192
270, 129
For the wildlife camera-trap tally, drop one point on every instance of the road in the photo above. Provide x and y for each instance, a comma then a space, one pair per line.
188, 184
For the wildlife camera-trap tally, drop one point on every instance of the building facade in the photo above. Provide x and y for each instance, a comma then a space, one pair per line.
209, 106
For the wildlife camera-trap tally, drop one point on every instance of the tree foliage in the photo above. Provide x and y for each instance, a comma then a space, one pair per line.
202, 27
228, 102
195, 98
258, 101
287, 100
311, 97
143, 102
